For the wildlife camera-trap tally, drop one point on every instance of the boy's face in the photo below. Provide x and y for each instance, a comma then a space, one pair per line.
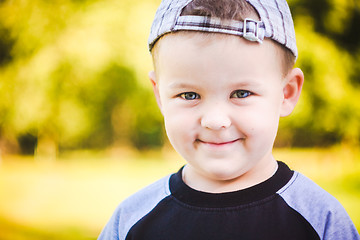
221, 98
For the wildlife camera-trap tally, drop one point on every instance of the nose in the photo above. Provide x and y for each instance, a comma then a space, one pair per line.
215, 118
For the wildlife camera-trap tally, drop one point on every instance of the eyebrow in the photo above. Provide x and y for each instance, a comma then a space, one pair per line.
242, 84
175, 85
246, 83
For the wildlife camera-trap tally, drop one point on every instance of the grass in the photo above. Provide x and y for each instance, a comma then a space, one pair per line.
73, 197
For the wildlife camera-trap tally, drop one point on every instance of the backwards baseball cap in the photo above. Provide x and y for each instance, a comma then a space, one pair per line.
275, 23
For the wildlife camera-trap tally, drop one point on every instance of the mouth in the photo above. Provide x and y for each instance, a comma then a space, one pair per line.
218, 143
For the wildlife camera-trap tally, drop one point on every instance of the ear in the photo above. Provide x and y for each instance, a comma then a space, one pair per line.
291, 90
152, 77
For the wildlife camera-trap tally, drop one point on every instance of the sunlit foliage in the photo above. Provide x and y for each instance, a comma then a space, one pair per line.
73, 73
328, 38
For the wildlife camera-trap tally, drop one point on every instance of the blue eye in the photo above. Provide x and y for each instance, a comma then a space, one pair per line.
190, 96
241, 94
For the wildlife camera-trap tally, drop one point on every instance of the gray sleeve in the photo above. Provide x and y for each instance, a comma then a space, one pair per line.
133, 209
325, 214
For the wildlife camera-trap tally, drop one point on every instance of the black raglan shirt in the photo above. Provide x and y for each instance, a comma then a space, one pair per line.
286, 206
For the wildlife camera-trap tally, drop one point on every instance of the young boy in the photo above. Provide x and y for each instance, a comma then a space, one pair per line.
223, 77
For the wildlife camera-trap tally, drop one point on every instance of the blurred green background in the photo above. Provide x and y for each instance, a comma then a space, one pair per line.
80, 129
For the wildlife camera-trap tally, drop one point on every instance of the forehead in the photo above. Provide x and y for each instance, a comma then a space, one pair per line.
215, 52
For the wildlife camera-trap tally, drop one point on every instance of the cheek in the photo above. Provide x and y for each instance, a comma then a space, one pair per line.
260, 122
179, 126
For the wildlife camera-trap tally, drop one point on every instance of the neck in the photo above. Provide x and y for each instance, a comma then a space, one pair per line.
257, 174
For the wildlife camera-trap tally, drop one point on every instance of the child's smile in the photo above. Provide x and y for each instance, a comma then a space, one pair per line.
221, 100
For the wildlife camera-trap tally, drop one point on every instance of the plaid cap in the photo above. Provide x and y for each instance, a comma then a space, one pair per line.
275, 23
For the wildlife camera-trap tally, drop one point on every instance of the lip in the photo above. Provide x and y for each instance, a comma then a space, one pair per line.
218, 143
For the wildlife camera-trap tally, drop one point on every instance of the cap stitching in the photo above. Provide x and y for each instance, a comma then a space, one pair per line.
163, 17
283, 21
268, 18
